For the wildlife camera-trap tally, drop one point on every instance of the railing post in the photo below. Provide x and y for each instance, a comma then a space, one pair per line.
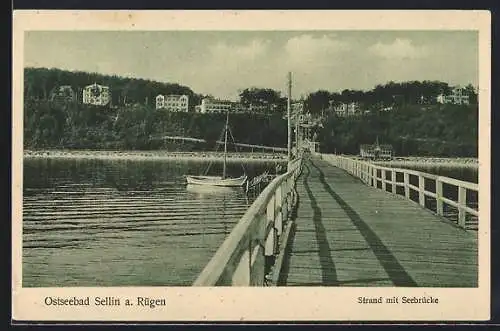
270, 246
289, 195
278, 220
382, 174
439, 197
407, 184
373, 172
393, 178
284, 201
293, 195
462, 203
421, 190
243, 273
257, 262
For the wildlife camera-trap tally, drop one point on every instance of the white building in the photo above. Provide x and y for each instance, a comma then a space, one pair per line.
347, 109
209, 105
97, 95
297, 107
173, 102
257, 108
458, 96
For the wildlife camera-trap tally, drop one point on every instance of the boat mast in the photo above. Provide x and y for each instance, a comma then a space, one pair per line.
225, 147
288, 106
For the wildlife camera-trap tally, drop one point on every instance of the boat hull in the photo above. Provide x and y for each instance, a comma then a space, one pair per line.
209, 192
216, 181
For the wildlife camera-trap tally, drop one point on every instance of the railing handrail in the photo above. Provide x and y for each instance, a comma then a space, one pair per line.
444, 179
215, 268
368, 172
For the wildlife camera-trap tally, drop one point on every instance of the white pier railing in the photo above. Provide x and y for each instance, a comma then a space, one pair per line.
241, 259
390, 179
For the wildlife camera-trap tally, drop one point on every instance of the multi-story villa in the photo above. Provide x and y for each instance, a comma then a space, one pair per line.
458, 96
210, 105
63, 94
261, 108
173, 102
347, 109
97, 95
296, 107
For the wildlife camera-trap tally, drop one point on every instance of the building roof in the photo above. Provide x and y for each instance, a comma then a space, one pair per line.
95, 84
175, 95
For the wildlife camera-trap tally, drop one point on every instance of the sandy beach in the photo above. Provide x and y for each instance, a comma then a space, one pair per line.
154, 155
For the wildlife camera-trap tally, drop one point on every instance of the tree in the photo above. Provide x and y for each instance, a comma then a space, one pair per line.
471, 92
260, 97
317, 102
447, 130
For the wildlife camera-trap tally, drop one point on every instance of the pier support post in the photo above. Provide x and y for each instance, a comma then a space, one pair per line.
439, 197
421, 190
462, 202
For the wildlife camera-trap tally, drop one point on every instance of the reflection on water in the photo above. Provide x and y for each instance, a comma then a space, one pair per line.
122, 222
209, 192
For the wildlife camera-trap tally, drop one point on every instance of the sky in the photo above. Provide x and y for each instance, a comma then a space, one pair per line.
222, 63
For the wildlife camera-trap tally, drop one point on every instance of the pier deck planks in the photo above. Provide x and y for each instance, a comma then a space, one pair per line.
350, 234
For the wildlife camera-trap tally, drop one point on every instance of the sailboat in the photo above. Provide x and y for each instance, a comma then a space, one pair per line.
223, 180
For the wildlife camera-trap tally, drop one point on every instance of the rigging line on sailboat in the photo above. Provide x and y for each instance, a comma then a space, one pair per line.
216, 150
225, 147
236, 149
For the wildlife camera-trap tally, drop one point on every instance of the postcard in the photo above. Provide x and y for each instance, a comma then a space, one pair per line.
254, 165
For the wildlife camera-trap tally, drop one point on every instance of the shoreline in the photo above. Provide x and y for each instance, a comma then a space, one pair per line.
431, 162
231, 157
152, 155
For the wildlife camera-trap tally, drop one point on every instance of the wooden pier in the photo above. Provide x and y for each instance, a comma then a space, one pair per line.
337, 221
350, 234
